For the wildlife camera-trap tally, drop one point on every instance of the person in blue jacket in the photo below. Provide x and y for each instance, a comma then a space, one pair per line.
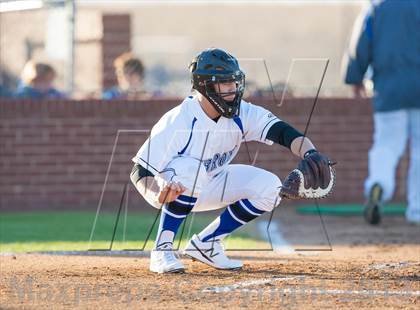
129, 71
386, 39
37, 82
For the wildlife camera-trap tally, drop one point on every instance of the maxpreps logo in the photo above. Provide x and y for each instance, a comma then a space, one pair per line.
218, 160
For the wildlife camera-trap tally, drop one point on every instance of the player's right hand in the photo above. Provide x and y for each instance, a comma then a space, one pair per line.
171, 192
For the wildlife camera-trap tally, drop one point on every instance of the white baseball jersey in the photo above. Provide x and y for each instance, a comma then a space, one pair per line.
186, 130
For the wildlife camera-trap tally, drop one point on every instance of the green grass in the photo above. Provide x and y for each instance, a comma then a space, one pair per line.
67, 231
349, 209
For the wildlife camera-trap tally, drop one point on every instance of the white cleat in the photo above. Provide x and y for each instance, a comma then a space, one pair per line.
210, 253
165, 261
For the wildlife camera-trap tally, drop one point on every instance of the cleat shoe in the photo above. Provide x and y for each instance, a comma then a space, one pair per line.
210, 253
372, 212
163, 260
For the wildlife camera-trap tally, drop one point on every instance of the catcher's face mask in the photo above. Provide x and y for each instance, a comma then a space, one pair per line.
225, 101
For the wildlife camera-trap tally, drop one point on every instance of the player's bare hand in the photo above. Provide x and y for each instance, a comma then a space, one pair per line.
171, 192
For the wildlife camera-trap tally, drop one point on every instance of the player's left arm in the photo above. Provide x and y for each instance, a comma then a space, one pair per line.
314, 176
286, 135
263, 126
314, 165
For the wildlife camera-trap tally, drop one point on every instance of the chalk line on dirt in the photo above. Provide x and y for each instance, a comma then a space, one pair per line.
243, 287
392, 265
235, 286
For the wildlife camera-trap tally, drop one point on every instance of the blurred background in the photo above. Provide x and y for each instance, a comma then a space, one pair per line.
82, 83
81, 40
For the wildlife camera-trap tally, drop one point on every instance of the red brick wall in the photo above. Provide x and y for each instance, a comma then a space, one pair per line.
55, 155
116, 38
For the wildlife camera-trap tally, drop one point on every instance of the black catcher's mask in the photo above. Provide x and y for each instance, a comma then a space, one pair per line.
211, 68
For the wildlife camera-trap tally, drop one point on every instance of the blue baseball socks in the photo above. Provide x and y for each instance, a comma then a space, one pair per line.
233, 217
173, 214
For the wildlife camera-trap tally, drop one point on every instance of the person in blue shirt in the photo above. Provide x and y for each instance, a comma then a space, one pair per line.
37, 82
130, 76
386, 39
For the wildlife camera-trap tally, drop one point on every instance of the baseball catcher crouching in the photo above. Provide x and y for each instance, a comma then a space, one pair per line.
186, 164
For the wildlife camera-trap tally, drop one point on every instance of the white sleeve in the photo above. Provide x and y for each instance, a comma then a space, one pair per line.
257, 122
161, 146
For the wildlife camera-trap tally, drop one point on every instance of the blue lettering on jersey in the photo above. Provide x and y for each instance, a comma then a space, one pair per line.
214, 161
218, 160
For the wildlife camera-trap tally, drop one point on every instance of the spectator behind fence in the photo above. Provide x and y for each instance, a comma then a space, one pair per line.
130, 75
387, 38
37, 82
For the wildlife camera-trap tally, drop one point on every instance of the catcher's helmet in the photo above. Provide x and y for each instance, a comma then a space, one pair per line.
214, 66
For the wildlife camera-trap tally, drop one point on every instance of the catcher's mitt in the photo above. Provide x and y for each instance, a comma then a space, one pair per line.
314, 178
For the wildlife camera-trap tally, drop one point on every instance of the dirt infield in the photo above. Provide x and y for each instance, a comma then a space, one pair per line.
368, 267
348, 277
